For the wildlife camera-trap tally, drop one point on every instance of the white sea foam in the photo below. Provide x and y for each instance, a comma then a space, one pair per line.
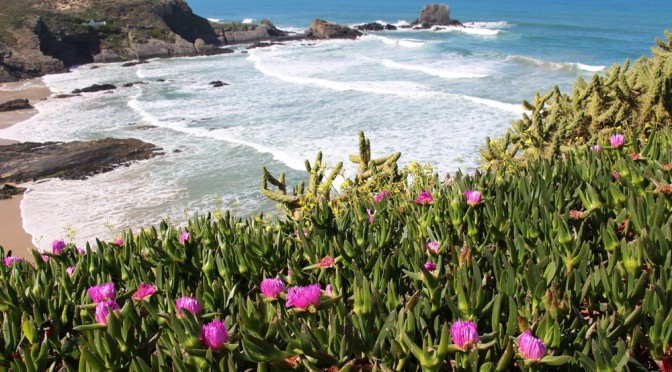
516, 109
399, 88
216, 20
445, 73
488, 25
479, 31
406, 43
555, 65
248, 20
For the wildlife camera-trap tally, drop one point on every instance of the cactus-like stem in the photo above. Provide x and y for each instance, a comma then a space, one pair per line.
368, 167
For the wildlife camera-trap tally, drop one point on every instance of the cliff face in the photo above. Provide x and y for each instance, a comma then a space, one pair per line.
46, 36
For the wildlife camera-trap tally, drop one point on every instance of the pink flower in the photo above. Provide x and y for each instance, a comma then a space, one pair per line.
575, 214
70, 270
434, 246
188, 303
425, 197
102, 292
381, 195
368, 211
119, 242
617, 140
328, 261
184, 236
530, 347
595, 148
271, 288
302, 297
45, 258
615, 175
11, 259
305, 233
144, 290
103, 310
635, 156
57, 246
81, 250
430, 266
464, 334
214, 335
329, 290
473, 197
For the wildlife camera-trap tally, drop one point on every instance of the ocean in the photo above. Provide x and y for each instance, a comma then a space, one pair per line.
434, 96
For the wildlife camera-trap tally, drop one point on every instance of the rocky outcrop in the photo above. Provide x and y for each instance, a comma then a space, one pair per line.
321, 29
375, 26
50, 35
15, 104
29, 161
435, 15
95, 88
240, 33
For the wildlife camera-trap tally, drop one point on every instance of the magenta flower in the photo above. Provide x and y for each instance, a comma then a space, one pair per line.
574, 214
119, 242
328, 261
329, 290
184, 236
214, 335
430, 266
530, 347
81, 250
615, 175
70, 270
11, 259
271, 288
464, 334
188, 303
434, 246
617, 140
144, 290
473, 197
57, 246
45, 258
302, 297
425, 197
368, 211
595, 148
381, 195
102, 292
103, 310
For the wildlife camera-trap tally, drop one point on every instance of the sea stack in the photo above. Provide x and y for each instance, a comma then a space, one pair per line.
435, 15
321, 29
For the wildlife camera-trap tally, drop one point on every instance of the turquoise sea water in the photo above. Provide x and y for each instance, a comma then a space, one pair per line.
434, 96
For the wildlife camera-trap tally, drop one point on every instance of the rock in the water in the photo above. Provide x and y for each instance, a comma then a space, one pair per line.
95, 88
321, 29
217, 83
435, 15
134, 63
67, 95
375, 26
28, 161
15, 104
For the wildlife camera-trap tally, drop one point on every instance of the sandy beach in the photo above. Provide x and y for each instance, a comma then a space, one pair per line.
12, 234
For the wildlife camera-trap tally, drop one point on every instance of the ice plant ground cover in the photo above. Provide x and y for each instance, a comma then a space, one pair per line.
563, 265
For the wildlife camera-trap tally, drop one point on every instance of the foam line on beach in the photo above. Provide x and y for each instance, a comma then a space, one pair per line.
442, 73
406, 43
514, 108
217, 134
571, 66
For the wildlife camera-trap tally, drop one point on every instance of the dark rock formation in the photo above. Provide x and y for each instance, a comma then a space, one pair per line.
67, 95
95, 88
375, 26
28, 161
321, 29
262, 44
133, 63
15, 104
435, 15
240, 33
7, 191
217, 83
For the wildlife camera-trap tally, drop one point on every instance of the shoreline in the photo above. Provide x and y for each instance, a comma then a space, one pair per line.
12, 234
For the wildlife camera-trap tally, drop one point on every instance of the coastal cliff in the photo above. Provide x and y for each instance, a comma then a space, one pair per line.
41, 37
